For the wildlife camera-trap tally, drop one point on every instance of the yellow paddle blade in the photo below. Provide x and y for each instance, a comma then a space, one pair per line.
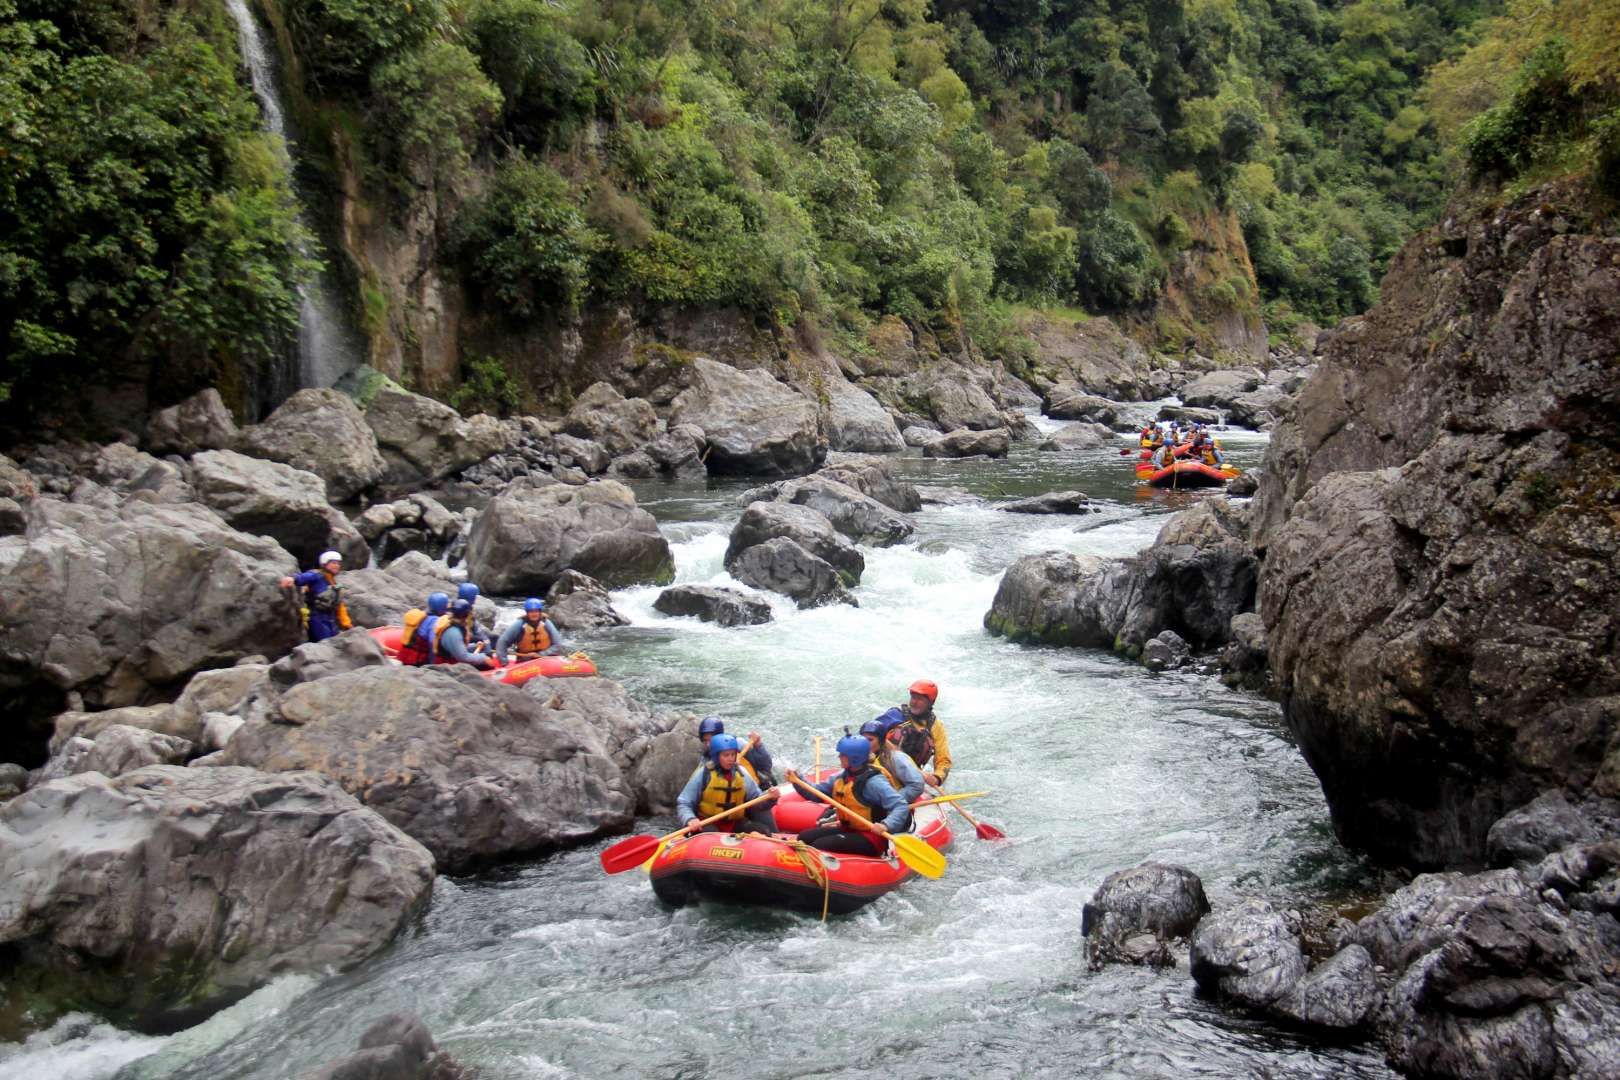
915, 853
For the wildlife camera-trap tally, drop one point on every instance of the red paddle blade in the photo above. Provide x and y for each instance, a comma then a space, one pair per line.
628, 853
989, 832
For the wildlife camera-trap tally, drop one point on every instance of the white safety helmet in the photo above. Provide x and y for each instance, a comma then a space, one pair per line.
329, 556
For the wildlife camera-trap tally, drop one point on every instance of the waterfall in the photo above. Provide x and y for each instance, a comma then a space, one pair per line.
327, 348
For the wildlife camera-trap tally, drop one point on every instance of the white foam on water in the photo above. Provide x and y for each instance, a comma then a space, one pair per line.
76, 1047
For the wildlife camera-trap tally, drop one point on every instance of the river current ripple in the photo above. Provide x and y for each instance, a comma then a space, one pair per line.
551, 969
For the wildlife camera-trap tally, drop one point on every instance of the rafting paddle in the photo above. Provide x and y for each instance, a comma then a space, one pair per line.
913, 850
930, 800
984, 830
631, 852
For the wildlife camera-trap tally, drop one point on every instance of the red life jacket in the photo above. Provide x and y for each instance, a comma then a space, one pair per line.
413, 650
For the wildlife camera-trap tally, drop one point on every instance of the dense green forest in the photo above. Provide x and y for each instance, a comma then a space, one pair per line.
806, 160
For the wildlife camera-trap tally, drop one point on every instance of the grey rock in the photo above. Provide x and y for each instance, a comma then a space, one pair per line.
635, 465
13, 780
275, 500
856, 422
1218, 389
163, 719
1068, 402
524, 540
626, 727
665, 765
860, 517
678, 451
755, 426
1537, 829
351, 650
917, 435
156, 592
1157, 900
1165, 651
201, 422
395, 1047
1340, 994
1243, 485
1246, 953
807, 528
728, 607
13, 520
874, 477
1053, 598
1260, 408
423, 440
475, 770
201, 885
1093, 354
577, 601
319, 431
1053, 502
1246, 650
606, 417
1079, 437
1187, 414
782, 565
589, 457
115, 750
965, 443
218, 729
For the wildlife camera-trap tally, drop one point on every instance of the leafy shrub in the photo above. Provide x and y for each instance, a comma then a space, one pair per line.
436, 106
526, 242
543, 73
1540, 108
1115, 267
486, 386
339, 41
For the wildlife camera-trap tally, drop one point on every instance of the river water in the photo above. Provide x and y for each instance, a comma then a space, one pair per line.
552, 969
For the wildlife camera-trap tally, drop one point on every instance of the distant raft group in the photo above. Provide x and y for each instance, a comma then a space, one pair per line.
1175, 457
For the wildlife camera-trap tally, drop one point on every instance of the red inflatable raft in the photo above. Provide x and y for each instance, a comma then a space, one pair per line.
1185, 473
752, 869
517, 673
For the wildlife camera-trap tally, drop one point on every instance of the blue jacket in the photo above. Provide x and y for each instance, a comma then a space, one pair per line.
686, 802
877, 794
453, 645
903, 769
514, 633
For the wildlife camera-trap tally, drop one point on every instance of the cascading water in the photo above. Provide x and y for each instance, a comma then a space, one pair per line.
551, 968
327, 349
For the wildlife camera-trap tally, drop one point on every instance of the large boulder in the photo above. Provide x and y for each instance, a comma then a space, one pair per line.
782, 565
627, 728
1079, 436
163, 719
122, 605
872, 476
1218, 389
1338, 995
1070, 402
1260, 408
755, 426
475, 770
1246, 954
1136, 915
809, 529
1441, 569
578, 601
1053, 599
856, 422
319, 431
526, 538
115, 750
271, 499
965, 443
608, 418
1092, 354
858, 516
164, 894
381, 597
201, 422
423, 440
956, 400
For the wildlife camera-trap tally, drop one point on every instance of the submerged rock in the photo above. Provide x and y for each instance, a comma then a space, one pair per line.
1340, 994
727, 607
1053, 502
165, 894
783, 565
396, 1047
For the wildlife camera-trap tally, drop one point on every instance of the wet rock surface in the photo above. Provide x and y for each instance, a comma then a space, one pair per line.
525, 539
858, 516
1246, 954
1137, 915
165, 894
395, 1047
726, 607
1053, 502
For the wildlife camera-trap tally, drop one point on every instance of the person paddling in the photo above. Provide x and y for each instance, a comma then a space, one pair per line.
907, 778
755, 758
451, 635
322, 597
866, 790
531, 636
718, 785
416, 639
922, 736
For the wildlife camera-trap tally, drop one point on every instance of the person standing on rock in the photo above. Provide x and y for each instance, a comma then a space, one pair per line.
718, 785
450, 637
922, 736
755, 758
531, 636
478, 638
322, 597
416, 643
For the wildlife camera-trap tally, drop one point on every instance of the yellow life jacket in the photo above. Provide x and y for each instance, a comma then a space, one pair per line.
534, 638
846, 788
720, 793
742, 760
410, 650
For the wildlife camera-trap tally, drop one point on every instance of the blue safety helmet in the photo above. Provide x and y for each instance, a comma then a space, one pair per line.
712, 725
890, 720
438, 603
873, 727
853, 747
723, 742
533, 603
459, 608
467, 591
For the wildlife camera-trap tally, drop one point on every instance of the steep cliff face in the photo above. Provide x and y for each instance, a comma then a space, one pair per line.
1440, 528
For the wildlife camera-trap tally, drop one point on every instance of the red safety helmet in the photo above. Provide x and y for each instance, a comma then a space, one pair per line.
926, 689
